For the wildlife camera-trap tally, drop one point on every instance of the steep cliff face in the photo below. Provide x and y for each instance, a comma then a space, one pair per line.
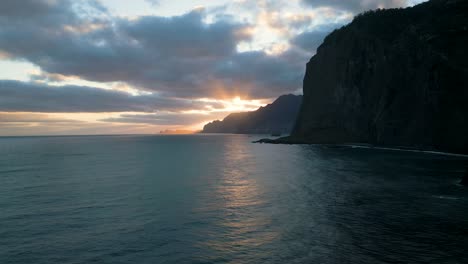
392, 77
464, 180
277, 117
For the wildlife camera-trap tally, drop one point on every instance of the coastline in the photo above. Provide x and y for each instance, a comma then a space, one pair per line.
294, 141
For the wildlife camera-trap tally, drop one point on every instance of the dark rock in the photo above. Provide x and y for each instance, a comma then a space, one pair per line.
395, 77
278, 118
267, 141
464, 180
284, 140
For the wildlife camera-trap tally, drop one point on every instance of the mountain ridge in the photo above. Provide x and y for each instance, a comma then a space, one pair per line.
277, 117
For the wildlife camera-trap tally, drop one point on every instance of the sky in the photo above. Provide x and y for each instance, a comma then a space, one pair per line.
72, 67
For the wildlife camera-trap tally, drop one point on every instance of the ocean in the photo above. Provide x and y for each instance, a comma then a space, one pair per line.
223, 199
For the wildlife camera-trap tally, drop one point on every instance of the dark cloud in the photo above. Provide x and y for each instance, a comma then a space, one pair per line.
184, 36
35, 8
310, 40
260, 75
179, 56
49, 13
356, 6
30, 97
164, 119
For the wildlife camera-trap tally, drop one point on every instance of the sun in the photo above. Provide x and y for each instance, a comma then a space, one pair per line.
237, 104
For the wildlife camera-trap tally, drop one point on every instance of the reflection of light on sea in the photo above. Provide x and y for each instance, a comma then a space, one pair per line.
242, 223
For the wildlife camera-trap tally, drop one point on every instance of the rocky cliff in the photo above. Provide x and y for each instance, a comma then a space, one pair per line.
464, 180
278, 117
391, 77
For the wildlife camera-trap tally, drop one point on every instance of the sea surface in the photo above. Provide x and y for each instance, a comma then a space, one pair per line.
222, 199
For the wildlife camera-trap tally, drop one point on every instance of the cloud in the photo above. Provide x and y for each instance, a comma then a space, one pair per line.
310, 40
164, 119
35, 8
22, 118
179, 56
32, 97
185, 36
264, 76
26, 123
153, 2
49, 13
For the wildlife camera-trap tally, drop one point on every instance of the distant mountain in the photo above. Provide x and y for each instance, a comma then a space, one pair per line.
277, 117
396, 77
176, 132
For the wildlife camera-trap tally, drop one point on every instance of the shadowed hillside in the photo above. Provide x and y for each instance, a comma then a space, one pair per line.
277, 117
391, 77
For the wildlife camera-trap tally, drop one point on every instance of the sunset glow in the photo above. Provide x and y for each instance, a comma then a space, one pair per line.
93, 67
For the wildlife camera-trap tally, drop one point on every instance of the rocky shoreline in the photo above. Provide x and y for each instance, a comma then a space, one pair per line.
298, 141
294, 141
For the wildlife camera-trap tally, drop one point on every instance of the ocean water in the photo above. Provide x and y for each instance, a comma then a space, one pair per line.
222, 199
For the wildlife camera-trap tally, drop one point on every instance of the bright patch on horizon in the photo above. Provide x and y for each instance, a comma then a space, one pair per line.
236, 104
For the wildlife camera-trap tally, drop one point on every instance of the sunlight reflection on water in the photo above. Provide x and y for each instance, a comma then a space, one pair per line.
240, 198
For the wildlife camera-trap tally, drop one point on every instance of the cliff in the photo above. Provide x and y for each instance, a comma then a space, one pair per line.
464, 180
277, 117
394, 77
